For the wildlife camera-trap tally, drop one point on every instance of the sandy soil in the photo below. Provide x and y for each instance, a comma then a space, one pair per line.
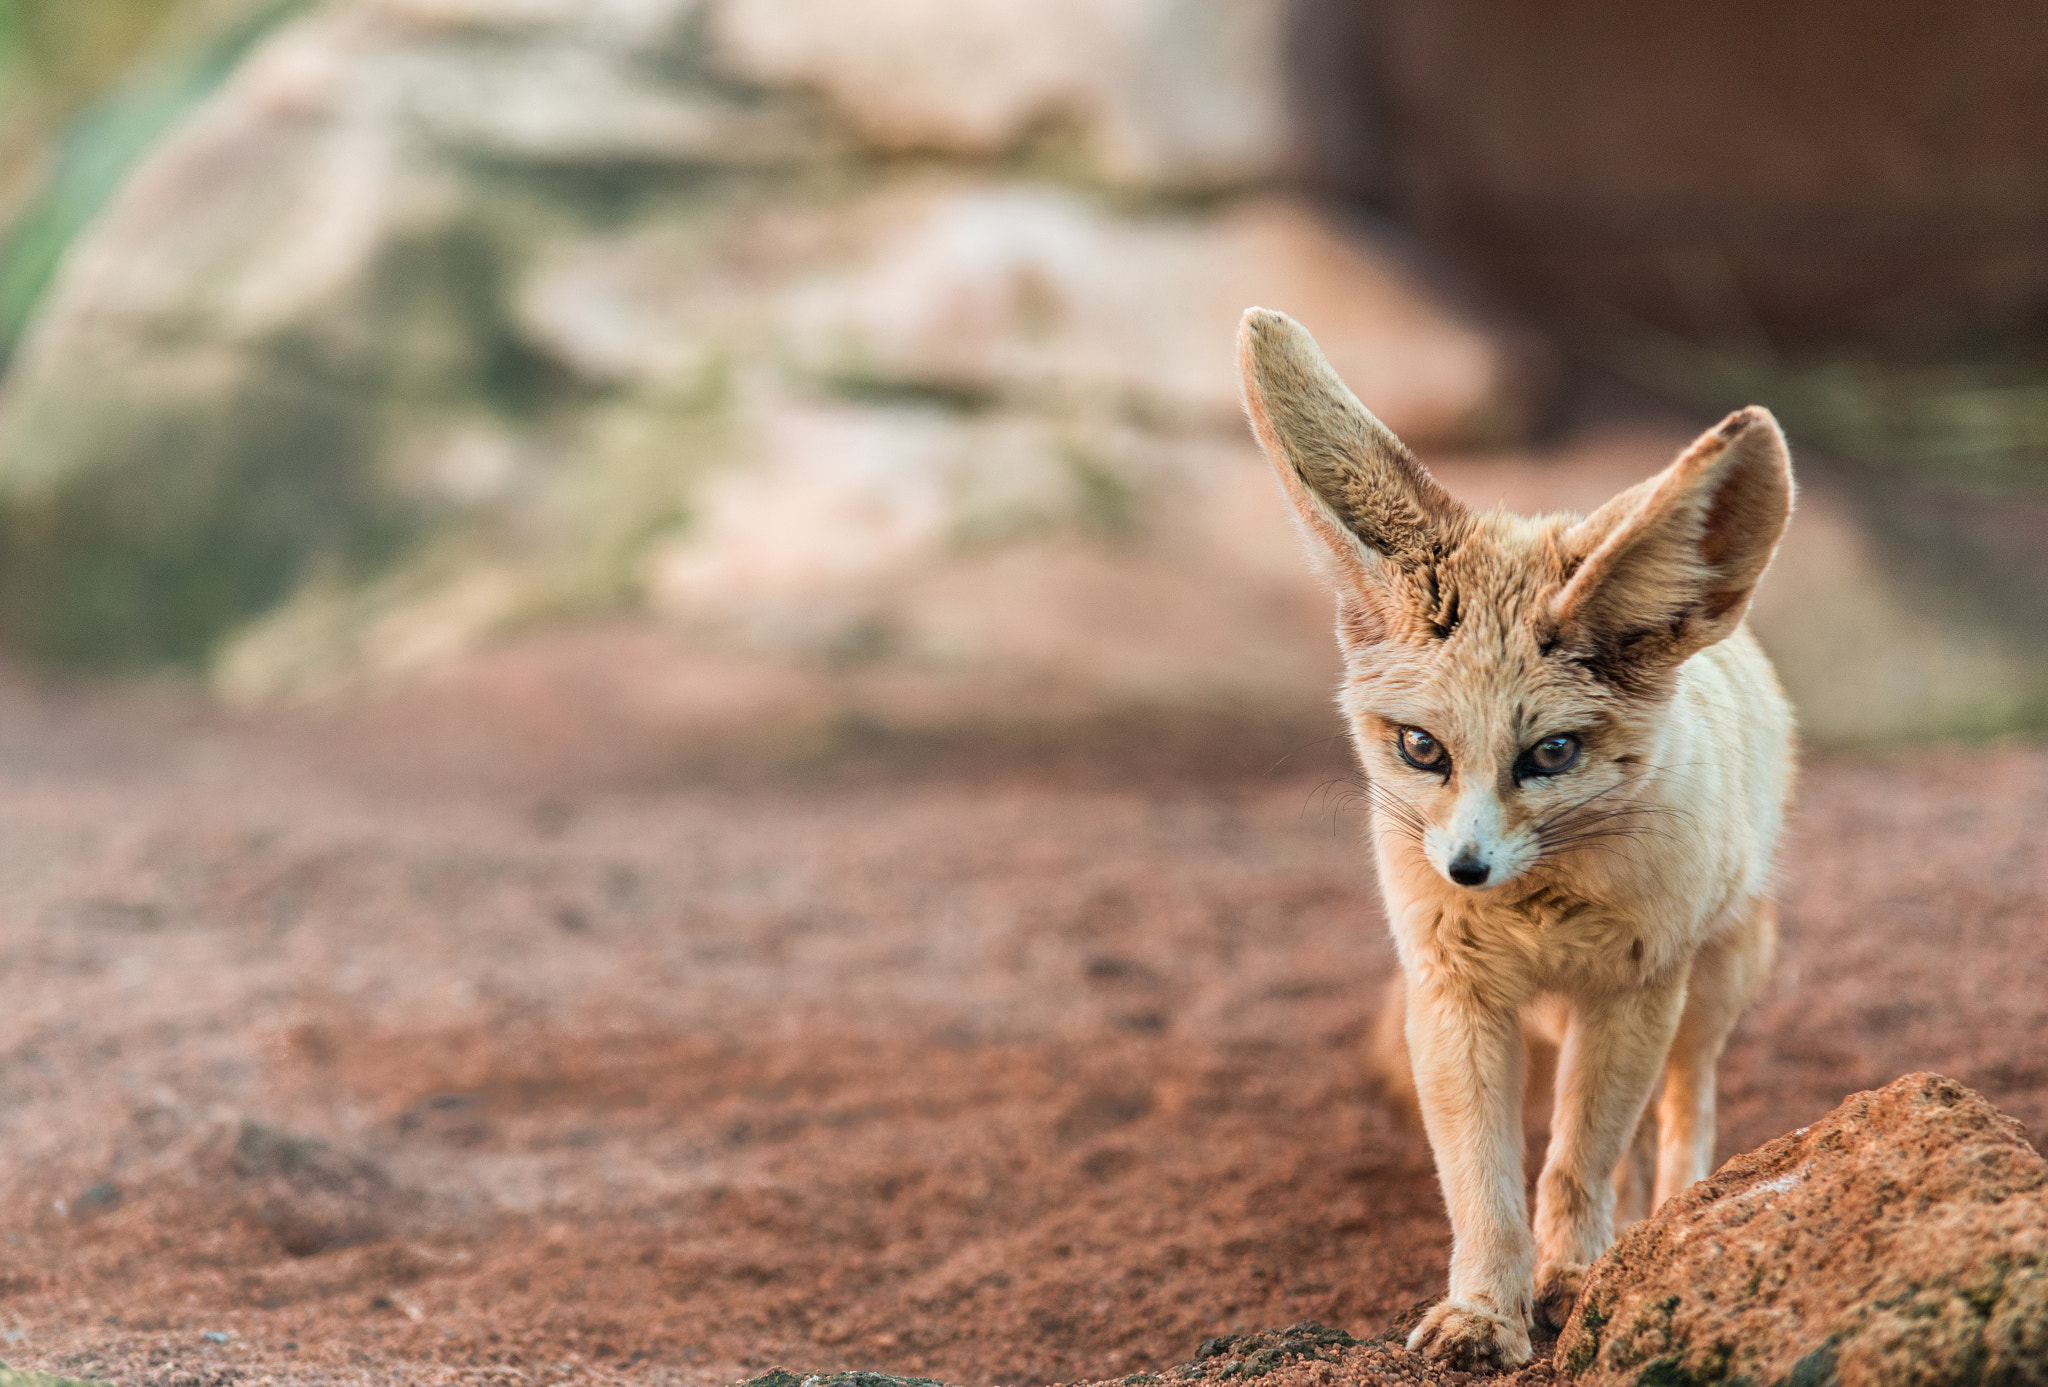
329, 1057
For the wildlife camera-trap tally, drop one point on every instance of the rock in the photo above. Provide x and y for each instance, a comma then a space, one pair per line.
634, 22
1043, 296
1096, 560
1021, 364
1499, 157
1032, 295
843, 497
1902, 1238
575, 103
1183, 94
444, 316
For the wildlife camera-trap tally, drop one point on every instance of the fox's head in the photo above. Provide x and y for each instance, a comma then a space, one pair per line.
1507, 677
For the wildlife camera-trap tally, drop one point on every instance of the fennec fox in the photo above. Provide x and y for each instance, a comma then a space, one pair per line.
1579, 762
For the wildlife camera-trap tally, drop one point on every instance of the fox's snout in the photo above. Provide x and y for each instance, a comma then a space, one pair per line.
1477, 844
1468, 868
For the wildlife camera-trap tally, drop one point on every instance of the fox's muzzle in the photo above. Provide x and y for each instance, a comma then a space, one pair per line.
1468, 868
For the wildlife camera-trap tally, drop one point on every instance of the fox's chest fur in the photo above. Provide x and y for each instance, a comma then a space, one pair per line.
1553, 942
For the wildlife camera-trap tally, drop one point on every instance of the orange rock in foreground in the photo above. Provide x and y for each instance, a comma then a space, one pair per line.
1902, 1238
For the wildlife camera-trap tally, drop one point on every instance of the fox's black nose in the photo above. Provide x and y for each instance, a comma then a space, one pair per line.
1467, 870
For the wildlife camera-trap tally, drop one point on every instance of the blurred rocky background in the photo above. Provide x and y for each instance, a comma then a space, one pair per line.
779, 372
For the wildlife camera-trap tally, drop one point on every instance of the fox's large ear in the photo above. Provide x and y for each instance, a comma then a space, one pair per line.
1668, 567
1369, 509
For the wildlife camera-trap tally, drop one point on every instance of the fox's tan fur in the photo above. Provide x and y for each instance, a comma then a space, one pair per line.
1627, 911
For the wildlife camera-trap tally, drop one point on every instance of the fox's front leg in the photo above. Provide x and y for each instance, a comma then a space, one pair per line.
1469, 1060
1614, 1049
1725, 975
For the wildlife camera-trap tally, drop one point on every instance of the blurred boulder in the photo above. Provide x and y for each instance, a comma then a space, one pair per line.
1901, 1238
1187, 94
1037, 296
446, 316
1752, 175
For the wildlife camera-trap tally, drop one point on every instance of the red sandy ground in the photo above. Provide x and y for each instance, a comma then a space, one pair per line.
326, 1057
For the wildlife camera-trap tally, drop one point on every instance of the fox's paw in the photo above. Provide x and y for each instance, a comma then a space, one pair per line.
1557, 1290
1471, 1338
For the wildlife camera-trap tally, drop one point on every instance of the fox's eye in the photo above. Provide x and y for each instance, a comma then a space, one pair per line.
1551, 756
1423, 751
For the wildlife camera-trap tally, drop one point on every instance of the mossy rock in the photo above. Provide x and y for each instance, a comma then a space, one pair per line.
153, 502
1255, 1355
